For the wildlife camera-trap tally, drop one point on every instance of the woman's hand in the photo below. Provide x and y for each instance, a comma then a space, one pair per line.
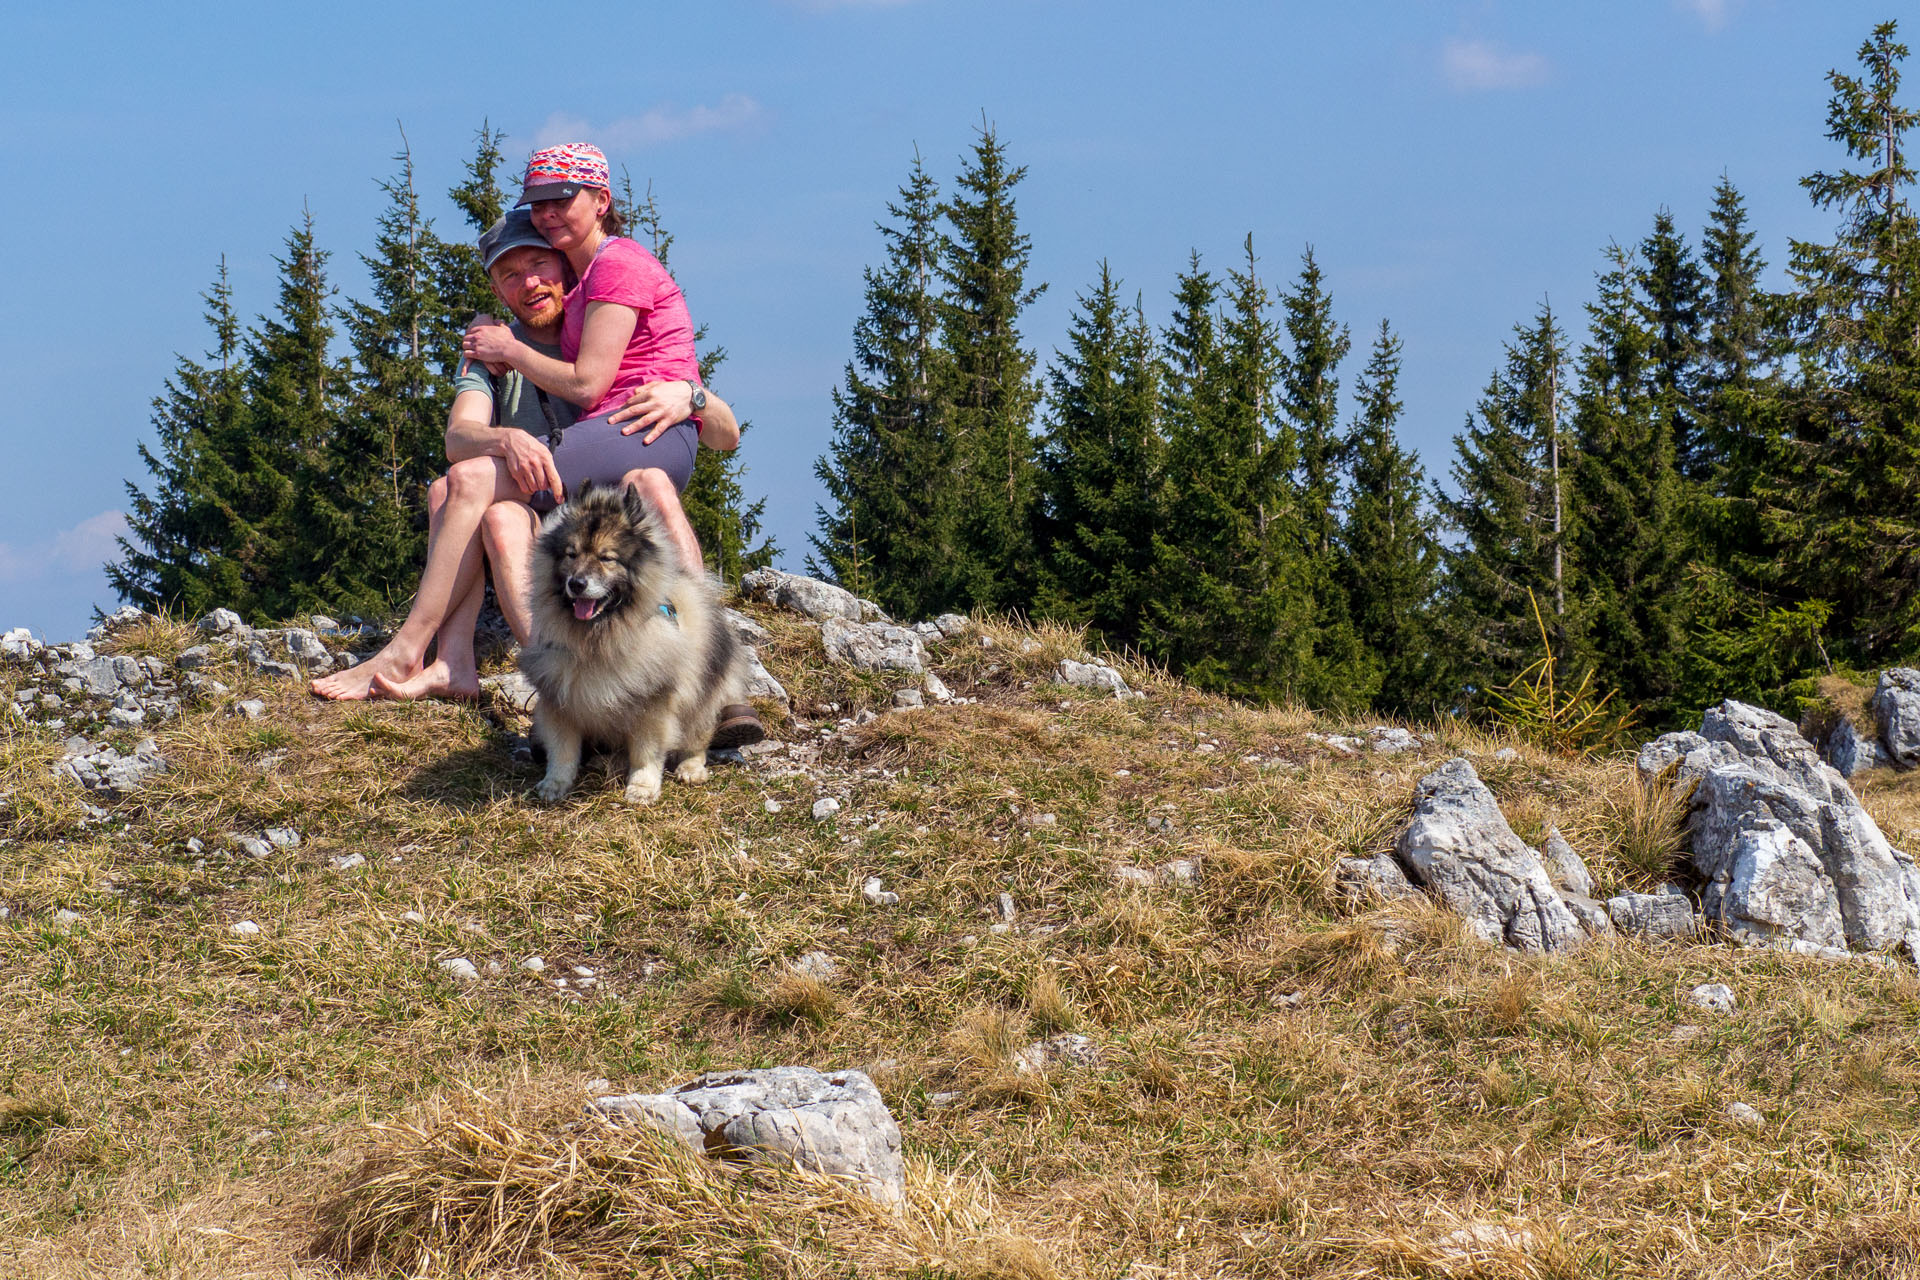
491, 343
530, 463
657, 405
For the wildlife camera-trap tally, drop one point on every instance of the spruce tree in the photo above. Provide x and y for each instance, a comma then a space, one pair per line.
191, 552
296, 391
1389, 555
1842, 501
988, 381
1672, 302
1101, 472
1509, 514
1631, 544
459, 277
368, 507
1344, 673
1234, 613
889, 533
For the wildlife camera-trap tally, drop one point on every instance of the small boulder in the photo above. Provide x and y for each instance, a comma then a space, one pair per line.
1564, 865
1714, 997
1379, 878
1896, 703
1066, 1049
807, 596
873, 646
825, 807
817, 965
1094, 675
1460, 846
835, 1123
224, 622
461, 969
1653, 915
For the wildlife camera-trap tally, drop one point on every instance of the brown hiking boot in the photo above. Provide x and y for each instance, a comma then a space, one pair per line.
739, 727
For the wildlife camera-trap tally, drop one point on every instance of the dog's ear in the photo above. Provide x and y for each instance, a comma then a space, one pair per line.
586, 487
637, 510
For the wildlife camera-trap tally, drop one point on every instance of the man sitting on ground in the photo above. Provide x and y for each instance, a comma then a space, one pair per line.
467, 518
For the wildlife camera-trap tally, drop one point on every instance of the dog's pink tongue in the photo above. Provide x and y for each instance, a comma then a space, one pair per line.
585, 609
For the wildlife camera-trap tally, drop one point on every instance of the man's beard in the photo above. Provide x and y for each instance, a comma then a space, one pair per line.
547, 318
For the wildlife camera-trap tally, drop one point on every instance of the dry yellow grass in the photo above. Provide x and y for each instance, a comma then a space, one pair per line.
1291, 1086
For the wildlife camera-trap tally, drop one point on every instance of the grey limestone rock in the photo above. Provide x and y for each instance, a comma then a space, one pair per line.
1094, 675
1593, 916
874, 646
1379, 877
19, 645
306, 649
119, 620
749, 631
831, 1123
1652, 915
224, 622
760, 681
261, 659
1391, 740
1460, 847
1066, 1049
1565, 866
904, 698
1715, 997
1896, 702
1783, 843
952, 624
1852, 752
808, 596
512, 690
817, 965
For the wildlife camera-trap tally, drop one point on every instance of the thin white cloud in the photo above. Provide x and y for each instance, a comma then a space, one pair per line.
79, 550
1475, 66
1713, 13
655, 126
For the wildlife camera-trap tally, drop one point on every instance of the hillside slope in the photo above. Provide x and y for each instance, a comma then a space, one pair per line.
1277, 1081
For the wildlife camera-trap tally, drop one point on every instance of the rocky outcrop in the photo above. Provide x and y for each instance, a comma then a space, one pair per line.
1788, 855
1459, 847
1896, 705
835, 1124
872, 646
808, 596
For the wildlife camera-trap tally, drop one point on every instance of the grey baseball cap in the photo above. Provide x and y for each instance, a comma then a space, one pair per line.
514, 231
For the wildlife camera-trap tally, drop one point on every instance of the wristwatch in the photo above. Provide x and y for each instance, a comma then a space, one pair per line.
699, 395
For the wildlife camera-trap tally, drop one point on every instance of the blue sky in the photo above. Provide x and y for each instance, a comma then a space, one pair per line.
1452, 163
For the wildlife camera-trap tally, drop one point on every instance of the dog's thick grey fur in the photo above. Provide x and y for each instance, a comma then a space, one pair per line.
627, 673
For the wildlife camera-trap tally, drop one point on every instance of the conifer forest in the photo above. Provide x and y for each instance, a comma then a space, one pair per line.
1705, 483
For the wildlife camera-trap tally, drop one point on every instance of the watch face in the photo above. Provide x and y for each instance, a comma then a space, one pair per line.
699, 398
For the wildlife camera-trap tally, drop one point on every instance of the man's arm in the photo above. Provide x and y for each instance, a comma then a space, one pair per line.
471, 434
658, 405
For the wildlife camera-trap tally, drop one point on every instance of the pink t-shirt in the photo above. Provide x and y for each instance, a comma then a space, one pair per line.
661, 349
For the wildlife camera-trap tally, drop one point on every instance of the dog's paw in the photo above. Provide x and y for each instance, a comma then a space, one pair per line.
552, 790
643, 788
693, 769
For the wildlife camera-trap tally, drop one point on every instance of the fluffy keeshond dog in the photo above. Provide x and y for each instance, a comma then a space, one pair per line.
627, 648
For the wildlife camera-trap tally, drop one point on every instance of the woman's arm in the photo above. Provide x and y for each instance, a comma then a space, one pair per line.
603, 340
658, 405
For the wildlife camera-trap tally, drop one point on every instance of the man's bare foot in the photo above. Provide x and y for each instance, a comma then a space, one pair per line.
436, 680
356, 682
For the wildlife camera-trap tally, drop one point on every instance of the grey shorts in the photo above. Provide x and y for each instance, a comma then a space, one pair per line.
593, 449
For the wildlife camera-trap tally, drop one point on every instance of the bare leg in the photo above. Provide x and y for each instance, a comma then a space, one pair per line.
453, 564
508, 531
658, 490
